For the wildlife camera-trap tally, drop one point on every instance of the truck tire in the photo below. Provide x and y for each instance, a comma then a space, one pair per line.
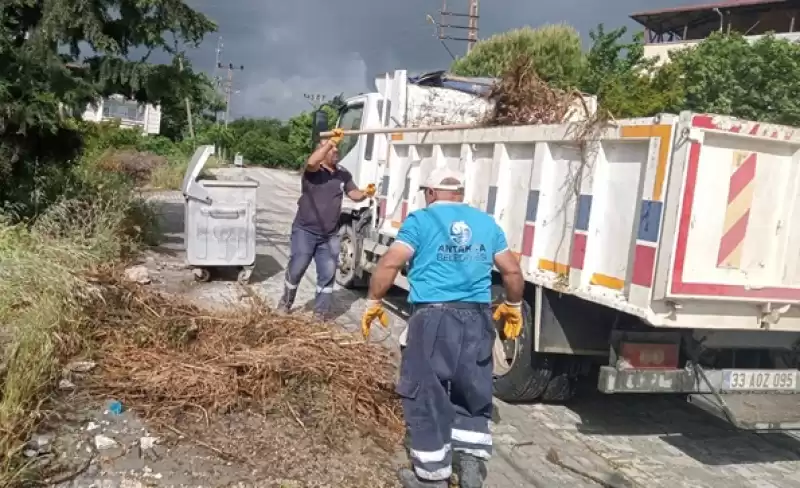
562, 386
346, 273
525, 376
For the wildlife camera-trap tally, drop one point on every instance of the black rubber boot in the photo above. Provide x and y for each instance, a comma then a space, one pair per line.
471, 471
409, 480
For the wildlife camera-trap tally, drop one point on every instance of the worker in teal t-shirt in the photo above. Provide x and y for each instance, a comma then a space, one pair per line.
446, 371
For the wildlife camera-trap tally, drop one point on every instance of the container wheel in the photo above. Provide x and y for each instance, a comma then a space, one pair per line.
346, 273
202, 275
244, 276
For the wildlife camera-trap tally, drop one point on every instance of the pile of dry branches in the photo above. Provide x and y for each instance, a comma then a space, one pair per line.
169, 360
522, 98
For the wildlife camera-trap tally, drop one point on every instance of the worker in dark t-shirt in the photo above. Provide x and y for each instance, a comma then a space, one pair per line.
316, 224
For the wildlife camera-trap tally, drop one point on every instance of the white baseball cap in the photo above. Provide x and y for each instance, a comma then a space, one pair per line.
444, 179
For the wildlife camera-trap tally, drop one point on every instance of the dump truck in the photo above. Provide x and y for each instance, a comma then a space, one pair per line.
661, 255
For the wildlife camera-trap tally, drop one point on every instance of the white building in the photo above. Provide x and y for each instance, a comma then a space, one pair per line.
130, 113
683, 27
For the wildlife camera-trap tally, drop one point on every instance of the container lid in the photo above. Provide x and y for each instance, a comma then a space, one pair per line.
190, 187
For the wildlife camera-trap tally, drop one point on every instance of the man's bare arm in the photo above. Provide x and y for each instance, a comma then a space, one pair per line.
318, 156
389, 265
357, 195
509, 268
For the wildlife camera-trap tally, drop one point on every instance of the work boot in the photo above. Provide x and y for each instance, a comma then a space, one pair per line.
409, 480
286, 301
471, 471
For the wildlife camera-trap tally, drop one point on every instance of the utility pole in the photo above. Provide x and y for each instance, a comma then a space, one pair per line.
217, 80
229, 88
217, 62
186, 101
446, 16
472, 33
315, 99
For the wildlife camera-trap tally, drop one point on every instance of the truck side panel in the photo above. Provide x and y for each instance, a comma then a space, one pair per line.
547, 192
634, 219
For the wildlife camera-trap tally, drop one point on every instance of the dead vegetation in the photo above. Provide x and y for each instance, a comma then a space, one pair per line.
136, 165
177, 364
521, 97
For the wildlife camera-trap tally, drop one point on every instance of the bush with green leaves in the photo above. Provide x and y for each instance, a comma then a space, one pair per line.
555, 50
626, 83
731, 75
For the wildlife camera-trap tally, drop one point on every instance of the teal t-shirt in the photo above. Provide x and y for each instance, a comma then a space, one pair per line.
454, 248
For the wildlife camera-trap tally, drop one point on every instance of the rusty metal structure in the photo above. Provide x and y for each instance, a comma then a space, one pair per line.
696, 22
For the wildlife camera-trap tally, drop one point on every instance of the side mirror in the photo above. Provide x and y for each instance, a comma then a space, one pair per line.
319, 125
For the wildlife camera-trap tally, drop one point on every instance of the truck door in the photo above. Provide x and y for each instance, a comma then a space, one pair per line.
357, 154
351, 148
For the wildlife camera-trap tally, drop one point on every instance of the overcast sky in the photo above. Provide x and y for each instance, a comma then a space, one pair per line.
292, 47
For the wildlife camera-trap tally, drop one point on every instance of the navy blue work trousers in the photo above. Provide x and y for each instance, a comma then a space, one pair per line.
446, 385
305, 247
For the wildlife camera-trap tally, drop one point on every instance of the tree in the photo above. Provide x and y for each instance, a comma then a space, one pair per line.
300, 133
338, 102
555, 50
626, 83
728, 75
48, 72
171, 85
263, 141
56, 56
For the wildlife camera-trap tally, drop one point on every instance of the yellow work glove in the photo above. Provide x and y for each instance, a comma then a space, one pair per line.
511, 316
374, 311
370, 190
337, 135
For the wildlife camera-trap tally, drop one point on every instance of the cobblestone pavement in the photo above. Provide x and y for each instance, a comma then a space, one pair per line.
637, 441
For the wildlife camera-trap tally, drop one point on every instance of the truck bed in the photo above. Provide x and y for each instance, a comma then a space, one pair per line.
689, 221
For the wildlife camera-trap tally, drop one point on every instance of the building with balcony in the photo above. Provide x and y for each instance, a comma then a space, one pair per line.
129, 113
681, 27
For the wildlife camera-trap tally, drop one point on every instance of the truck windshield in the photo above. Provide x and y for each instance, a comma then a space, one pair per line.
349, 119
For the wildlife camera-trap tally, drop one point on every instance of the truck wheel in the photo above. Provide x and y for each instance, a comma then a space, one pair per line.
520, 375
346, 273
562, 385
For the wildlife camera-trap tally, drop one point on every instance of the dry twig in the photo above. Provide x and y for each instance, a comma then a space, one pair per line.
166, 359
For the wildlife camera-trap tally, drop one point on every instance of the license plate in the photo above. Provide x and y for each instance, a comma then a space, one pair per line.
760, 380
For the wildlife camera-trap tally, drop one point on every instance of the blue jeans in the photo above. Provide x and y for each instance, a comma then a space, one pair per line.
324, 250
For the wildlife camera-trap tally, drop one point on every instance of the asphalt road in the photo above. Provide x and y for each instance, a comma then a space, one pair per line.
640, 441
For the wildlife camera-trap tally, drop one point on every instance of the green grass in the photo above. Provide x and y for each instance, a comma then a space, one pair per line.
43, 284
169, 176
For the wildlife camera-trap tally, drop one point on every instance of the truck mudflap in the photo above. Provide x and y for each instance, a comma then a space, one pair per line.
750, 399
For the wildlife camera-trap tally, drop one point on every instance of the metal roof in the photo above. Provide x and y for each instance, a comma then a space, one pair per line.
676, 18
706, 6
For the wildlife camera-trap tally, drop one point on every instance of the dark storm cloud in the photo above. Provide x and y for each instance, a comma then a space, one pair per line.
292, 47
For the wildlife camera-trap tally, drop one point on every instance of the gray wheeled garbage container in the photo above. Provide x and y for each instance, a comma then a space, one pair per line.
220, 221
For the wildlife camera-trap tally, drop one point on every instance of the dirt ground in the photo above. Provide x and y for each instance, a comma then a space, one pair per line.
87, 443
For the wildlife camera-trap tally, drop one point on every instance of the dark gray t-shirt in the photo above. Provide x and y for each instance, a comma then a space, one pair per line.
321, 200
